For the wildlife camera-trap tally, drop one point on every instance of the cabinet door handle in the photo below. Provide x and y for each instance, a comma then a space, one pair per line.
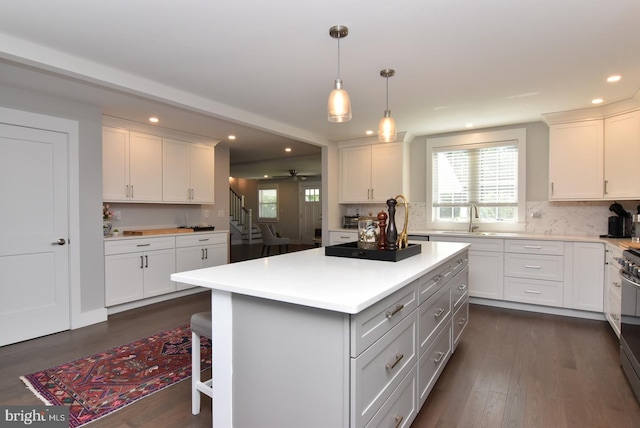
605, 186
462, 287
392, 312
126, 191
439, 312
615, 317
616, 284
132, 190
206, 254
202, 254
141, 262
533, 291
371, 193
462, 321
390, 366
532, 267
398, 420
439, 357
552, 188
146, 261
533, 247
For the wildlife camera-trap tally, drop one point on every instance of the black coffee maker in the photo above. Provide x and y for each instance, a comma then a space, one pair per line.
620, 225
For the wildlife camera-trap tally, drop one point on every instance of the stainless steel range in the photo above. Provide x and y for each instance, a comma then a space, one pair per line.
630, 320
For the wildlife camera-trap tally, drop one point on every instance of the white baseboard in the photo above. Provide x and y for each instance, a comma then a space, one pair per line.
156, 299
84, 319
539, 309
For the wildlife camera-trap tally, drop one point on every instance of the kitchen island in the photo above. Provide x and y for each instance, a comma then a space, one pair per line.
304, 339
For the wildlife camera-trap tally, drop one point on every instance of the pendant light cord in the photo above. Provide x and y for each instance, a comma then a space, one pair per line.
338, 57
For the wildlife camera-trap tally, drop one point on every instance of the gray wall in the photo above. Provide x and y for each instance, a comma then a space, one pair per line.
537, 161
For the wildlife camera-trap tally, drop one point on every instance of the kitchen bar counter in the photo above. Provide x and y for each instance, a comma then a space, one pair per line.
283, 342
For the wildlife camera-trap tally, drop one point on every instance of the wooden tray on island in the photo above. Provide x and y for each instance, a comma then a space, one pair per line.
351, 250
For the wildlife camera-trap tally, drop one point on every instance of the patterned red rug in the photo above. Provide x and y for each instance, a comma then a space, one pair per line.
97, 385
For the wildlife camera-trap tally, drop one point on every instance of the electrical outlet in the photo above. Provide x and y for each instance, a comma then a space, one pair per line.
118, 215
535, 213
221, 213
205, 213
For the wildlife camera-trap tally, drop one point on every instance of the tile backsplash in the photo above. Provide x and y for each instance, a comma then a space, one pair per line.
555, 218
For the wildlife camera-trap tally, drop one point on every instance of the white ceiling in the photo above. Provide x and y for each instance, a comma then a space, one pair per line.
263, 69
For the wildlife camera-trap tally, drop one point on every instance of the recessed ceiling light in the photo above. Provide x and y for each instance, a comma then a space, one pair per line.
597, 101
369, 132
288, 149
154, 119
469, 125
614, 78
231, 137
265, 176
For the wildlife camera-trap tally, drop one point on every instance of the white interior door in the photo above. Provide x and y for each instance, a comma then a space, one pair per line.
310, 212
34, 230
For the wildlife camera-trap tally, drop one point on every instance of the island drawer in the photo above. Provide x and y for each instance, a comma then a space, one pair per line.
545, 267
432, 314
401, 408
375, 321
534, 247
430, 283
123, 246
432, 363
200, 239
378, 371
459, 288
537, 292
460, 321
460, 263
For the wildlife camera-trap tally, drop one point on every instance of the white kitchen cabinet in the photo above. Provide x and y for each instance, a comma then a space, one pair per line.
187, 172
486, 265
576, 161
613, 287
342, 237
622, 156
370, 173
138, 268
587, 282
200, 251
132, 166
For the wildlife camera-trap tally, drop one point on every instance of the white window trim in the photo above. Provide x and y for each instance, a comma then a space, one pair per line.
277, 217
520, 135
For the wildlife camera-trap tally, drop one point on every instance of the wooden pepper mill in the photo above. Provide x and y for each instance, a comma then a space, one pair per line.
382, 224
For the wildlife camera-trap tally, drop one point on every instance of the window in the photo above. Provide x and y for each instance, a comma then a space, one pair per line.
268, 202
481, 175
312, 195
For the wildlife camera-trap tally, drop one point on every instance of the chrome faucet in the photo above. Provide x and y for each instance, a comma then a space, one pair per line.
473, 210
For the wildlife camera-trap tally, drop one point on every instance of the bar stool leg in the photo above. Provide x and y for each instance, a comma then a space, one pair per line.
195, 373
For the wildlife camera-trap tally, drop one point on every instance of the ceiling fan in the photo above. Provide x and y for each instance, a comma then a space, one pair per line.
293, 174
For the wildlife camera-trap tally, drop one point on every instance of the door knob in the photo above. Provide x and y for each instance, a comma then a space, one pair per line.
60, 241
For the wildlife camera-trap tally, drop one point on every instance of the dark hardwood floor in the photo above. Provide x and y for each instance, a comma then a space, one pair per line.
512, 369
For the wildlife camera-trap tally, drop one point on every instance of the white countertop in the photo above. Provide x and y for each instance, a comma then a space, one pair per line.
312, 279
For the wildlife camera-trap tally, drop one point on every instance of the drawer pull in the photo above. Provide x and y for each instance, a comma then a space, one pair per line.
398, 420
462, 321
389, 366
395, 310
533, 291
439, 357
615, 317
439, 312
142, 245
203, 240
437, 278
532, 267
616, 284
462, 287
533, 247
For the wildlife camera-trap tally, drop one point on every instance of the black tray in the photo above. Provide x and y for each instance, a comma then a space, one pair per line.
350, 249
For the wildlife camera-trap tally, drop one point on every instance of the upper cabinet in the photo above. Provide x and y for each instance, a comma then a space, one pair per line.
131, 166
594, 159
371, 172
575, 161
622, 156
188, 172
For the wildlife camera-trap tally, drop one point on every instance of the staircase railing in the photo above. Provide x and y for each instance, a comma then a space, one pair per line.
240, 214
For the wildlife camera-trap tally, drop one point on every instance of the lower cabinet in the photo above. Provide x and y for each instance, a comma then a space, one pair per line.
138, 268
400, 346
199, 251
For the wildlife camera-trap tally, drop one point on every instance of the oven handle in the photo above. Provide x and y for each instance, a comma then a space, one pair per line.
631, 280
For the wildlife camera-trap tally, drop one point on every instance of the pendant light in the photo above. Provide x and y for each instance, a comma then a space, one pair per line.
339, 105
387, 126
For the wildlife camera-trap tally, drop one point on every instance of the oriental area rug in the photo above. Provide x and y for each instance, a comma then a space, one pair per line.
100, 384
